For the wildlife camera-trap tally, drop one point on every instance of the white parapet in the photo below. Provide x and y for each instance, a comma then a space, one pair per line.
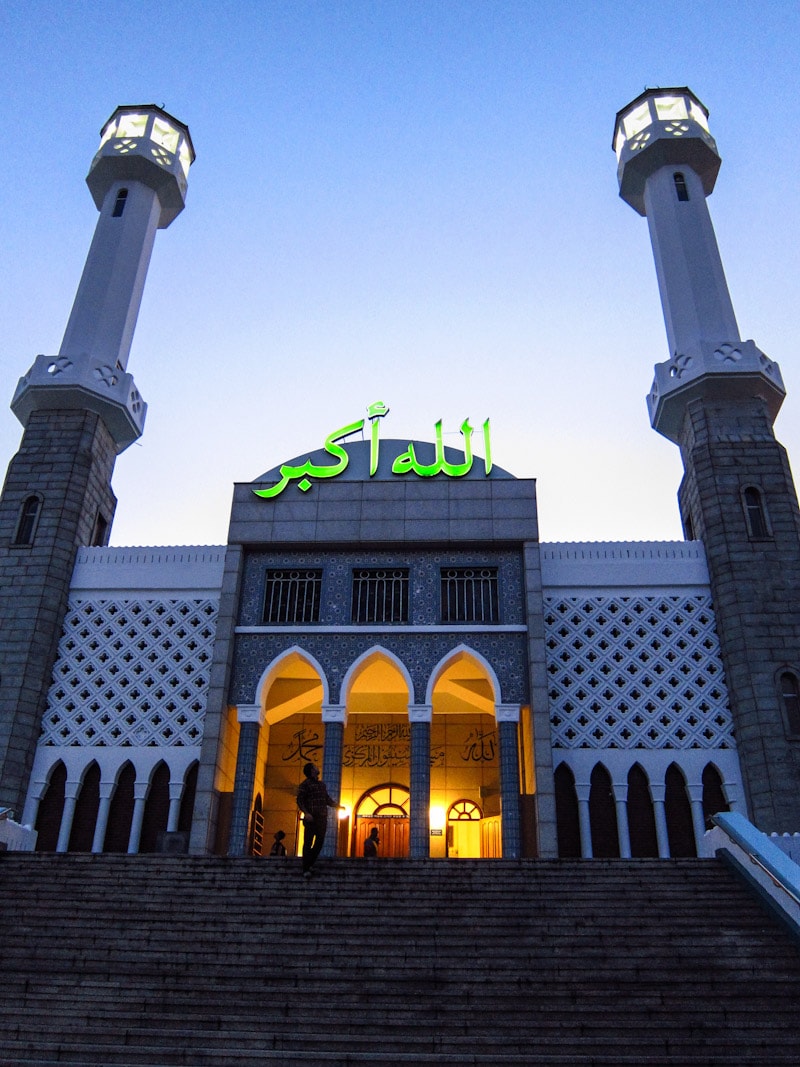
14, 837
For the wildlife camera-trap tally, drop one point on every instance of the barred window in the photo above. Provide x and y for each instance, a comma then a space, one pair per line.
380, 595
292, 596
28, 520
755, 512
470, 594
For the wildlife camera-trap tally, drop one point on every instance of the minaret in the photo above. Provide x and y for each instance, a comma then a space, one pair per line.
717, 397
80, 409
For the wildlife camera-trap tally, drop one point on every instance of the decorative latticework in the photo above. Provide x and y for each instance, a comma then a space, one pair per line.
131, 672
635, 672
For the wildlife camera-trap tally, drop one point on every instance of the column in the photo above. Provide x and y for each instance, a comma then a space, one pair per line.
420, 717
35, 794
175, 794
103, 810
507, 716
334, 717
623, 830
698, 818
657, 792
250, 718
582, 791
71, 791
140, 790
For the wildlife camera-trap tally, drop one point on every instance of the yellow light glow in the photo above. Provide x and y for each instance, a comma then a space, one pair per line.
637, 119
132, 125
698, 115
671, 108
164, 135
344, 813
438, 818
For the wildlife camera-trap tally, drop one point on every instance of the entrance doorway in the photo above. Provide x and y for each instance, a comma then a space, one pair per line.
387, 808
464, 830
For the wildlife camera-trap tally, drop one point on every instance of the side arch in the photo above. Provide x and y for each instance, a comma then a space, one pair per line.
463, 652
274, 669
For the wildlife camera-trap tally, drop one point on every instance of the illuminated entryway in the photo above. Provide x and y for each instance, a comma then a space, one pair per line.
385, 807
293, 735
375, 754
465, 760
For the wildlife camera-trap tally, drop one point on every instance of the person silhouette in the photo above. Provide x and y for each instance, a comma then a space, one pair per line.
313, 801
371, 844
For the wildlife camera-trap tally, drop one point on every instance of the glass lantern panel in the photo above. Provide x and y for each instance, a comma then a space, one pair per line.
699, 116
671, 107
637, 120
185, 159
132, 125
165, 135
619, 140
109, 132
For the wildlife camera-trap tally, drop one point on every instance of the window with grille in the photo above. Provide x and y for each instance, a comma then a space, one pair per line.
756, 514
28, 520
469, 594
380, 594
292, 596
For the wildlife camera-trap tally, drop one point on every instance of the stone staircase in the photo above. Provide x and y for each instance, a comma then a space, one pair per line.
161, 960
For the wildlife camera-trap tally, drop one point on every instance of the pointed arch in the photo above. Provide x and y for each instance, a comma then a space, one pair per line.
678, 810
86, 808
120, 814
567, 817
373, 655
714, 799
641, 816
51, 808
187, 798
280, 664
460, 653
603, 814
156, 808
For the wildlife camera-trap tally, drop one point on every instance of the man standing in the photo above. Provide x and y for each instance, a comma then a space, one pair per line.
313, 801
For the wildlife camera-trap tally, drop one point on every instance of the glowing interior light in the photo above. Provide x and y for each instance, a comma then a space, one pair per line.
699, 116
343, 813
109, 132
132, 125
185, 158
637, 120
671, 107
438, 817
165, 135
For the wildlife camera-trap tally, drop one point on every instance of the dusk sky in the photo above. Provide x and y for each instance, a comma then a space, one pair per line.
407, 202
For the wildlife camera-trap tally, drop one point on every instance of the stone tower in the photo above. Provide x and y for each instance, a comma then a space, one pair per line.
80, 409
717, 397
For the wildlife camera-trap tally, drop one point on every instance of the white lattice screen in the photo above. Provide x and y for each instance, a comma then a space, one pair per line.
131, 672
635, 672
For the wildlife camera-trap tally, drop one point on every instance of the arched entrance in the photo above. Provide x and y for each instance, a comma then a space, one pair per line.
465, 794
387, 808
464, 830
293, 735
376, 753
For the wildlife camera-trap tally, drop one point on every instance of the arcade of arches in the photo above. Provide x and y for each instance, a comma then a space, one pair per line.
432, 778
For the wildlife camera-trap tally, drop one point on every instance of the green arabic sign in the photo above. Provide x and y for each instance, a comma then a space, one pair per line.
406, 463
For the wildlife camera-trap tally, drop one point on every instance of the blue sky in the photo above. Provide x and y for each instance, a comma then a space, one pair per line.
408, 202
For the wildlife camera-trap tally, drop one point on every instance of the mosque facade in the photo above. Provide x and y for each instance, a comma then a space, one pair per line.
385, 608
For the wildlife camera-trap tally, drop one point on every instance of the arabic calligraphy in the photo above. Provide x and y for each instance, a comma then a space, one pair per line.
303, 748
407, 462
384, 754
479, 747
